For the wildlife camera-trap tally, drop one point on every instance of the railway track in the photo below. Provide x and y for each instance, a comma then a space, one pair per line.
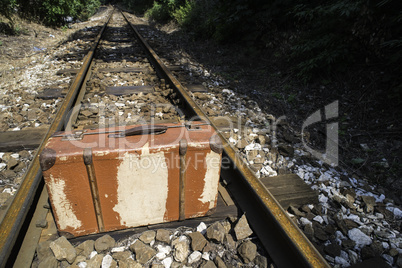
122, 81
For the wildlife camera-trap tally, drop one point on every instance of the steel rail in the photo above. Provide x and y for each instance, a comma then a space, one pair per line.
16, 214
291, 248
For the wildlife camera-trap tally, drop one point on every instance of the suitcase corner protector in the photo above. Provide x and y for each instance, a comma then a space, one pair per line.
66, 234
216, 144
47, 158
210, 211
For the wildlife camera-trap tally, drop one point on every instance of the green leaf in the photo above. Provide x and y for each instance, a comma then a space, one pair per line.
357, 161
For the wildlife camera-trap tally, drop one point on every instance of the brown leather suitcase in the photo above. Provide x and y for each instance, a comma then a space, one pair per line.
109, 179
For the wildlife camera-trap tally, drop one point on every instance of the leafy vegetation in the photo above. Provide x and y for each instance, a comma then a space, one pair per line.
138, 6
324, 37
51, 12
7, 8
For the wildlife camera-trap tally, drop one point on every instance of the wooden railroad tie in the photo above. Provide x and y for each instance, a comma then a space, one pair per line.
290, 189
25, 139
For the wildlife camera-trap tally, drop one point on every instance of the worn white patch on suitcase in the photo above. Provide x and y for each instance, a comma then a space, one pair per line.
63, 207
211, 179
142, 189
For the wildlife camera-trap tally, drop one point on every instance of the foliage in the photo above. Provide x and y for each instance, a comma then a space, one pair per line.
323, 37
7, 8
55, 12
138, 6
197, 16
87, 9
164, 10
51, 12
158, 12
336, 34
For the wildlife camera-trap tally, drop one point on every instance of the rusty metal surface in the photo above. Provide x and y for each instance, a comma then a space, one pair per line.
134, 180
295, 249
15, 217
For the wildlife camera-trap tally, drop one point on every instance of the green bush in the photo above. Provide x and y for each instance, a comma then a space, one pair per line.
7, 8
183, 13
57, 10
51, 12
163, 11
324, 37
87, 9
54, 12
335, 35
159, 12
138, 6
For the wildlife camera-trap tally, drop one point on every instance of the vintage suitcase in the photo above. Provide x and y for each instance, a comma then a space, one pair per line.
110, 179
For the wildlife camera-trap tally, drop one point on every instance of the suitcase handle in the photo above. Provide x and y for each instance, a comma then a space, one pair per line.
141, 130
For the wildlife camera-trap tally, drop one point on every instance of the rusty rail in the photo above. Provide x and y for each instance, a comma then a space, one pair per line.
16, 214
284, 241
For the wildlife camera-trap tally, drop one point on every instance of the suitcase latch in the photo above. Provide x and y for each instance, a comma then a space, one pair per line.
75, 136
193, 127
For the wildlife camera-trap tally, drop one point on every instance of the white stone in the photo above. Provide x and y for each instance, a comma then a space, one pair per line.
2, 166
305, 221
329, 258
205, 256
380, 199
118, 249
354, 218
268, 171
183, 238
163, 251
325, 218
388, 258
353, 257
339, 235
253, 146
160, 256
202, 228
318, 219
221, 252
397, 212
93, 254
324, 177
194, 257
107, 261
82, 264
167, 262
359, 237
344, 255
322, 198
341, 261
